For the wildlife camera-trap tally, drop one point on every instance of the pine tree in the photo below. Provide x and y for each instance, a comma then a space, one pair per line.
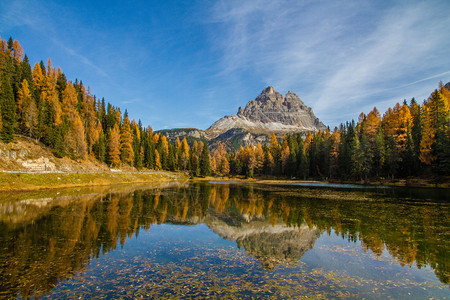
302, 161
392, 156
205, 166
99, 148
8, 110
194, 161
59, 149
140, 159
171, 158
379, 152
435, 119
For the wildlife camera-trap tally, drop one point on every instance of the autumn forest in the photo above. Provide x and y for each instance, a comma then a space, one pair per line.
412, 139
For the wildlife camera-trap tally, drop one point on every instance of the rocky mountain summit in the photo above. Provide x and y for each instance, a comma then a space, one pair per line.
270, 112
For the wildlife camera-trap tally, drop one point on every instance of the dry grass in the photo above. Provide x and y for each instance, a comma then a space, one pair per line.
39, 181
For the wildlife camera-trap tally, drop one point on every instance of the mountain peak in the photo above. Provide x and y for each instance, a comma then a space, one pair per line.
270, 112
268, 90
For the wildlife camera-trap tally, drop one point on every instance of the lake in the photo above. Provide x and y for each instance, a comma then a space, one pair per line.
226, 240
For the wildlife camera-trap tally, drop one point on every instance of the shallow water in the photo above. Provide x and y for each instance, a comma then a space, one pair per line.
237, 240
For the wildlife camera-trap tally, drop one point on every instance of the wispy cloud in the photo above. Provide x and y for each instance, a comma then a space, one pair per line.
81, 58
339, 57
38, 17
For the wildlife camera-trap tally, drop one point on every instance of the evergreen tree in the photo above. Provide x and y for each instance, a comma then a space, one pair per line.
26, 72
59, 150
392, 156
379, 152
8, 110
205, 166
99, 147
139, 162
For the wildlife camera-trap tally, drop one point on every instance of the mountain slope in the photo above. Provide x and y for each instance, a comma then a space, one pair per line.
270, 113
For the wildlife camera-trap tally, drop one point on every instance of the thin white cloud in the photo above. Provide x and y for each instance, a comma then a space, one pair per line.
38, 17
338, 56
83, 59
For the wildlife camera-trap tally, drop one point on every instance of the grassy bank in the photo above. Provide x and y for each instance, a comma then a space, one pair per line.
39, 181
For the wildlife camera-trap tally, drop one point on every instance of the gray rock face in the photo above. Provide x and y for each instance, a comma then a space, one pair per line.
270, 112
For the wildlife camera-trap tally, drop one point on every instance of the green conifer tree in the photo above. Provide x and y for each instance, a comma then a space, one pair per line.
8, 109
205, 165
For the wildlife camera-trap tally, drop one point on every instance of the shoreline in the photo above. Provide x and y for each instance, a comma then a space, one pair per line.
20, 182
412, 182
28, 182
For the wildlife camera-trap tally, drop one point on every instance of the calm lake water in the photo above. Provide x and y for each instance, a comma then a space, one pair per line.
216, 240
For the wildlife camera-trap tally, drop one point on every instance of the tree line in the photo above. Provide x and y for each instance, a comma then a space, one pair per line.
42, 104
410, 139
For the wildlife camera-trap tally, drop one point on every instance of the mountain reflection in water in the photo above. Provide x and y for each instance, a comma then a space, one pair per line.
44, 241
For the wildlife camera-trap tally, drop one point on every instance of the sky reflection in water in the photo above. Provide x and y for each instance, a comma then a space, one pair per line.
237, 240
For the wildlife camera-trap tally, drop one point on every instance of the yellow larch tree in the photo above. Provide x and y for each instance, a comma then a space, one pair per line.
213, 165
372, 124
126, 142
184, 154
51, 94
114, 145
285, 152
157, 160
224, 166
23, 94
308, 141
274, 146
18, 52
38, 77
259, 156
78, 132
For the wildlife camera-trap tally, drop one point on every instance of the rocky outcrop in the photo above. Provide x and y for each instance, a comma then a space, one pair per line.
191, 134
270, 113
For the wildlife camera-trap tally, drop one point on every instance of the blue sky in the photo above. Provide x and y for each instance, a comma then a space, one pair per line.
188, 63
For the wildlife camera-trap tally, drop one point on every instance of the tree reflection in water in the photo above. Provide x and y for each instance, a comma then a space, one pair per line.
44, 241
